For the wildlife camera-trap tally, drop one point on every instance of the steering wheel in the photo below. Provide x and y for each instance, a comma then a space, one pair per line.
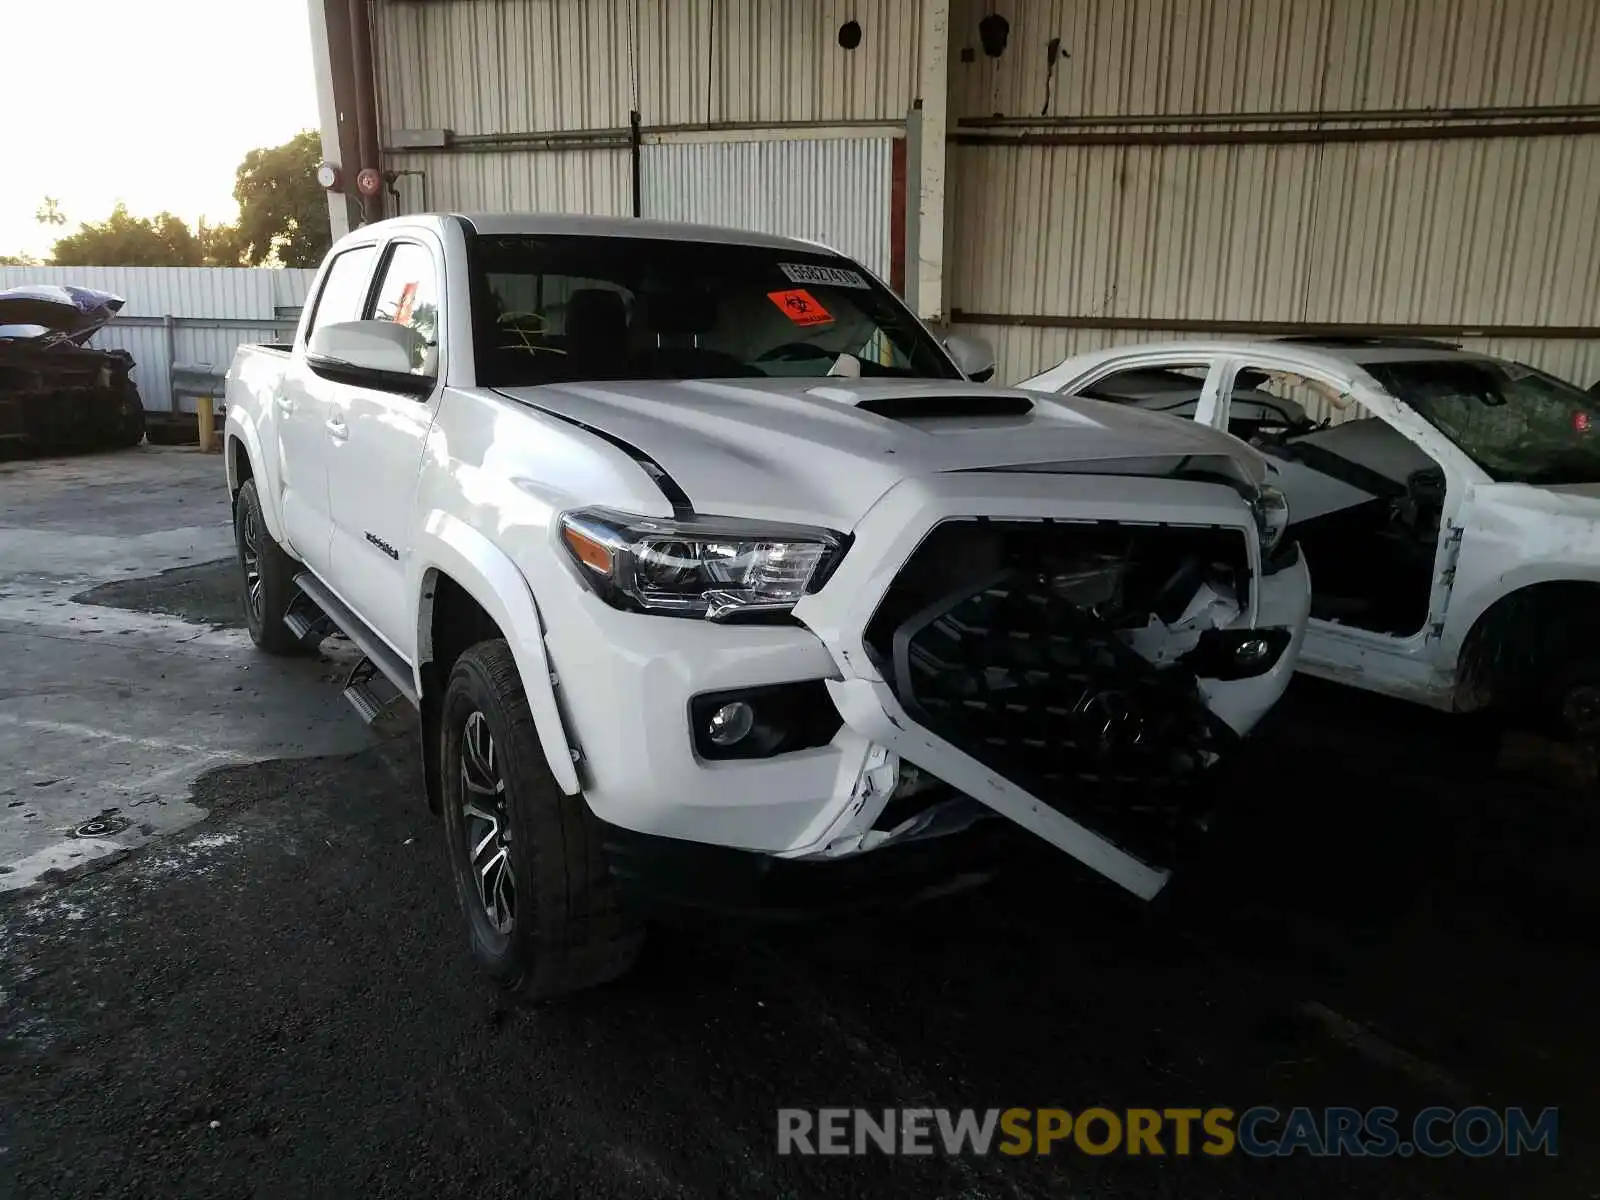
523, 322
791, 351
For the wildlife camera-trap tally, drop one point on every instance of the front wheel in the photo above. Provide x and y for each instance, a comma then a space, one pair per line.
542, 910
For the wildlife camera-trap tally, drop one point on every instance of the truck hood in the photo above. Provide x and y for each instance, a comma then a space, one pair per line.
823, 451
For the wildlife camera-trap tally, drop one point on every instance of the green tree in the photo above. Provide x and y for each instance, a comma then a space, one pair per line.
124, 240
18, 260
283, 211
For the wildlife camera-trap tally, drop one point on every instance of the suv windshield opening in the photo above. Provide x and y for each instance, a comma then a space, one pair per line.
1519, 424
564, 308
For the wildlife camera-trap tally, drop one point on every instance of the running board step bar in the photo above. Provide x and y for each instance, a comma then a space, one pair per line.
379, 654
359, 691
309, 624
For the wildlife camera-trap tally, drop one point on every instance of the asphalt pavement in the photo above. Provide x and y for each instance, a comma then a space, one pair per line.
274, 998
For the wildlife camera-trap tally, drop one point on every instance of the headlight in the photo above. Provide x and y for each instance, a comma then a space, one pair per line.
716, 568
1271, 510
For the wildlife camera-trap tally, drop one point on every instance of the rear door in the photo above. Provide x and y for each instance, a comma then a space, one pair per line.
302, 406
375, 440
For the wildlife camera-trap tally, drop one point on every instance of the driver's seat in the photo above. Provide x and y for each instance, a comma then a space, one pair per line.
596, 333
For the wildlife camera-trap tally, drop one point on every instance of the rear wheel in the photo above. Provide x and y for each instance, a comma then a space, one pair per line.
266, 575
542, 910
1574, 703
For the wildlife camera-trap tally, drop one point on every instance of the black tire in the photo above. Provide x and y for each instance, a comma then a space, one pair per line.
1572, 707
265, 563
130, 424
557, 924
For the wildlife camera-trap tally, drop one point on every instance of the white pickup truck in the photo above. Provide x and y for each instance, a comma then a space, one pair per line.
712, 573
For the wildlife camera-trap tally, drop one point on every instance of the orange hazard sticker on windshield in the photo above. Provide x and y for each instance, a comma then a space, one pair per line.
801, 307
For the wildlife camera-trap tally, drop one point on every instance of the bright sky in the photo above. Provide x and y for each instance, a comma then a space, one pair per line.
149, 101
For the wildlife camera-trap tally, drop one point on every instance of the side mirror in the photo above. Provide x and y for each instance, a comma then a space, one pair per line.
974, 356
378, 354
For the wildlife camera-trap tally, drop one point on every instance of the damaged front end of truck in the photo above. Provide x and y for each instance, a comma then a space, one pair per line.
1074, 652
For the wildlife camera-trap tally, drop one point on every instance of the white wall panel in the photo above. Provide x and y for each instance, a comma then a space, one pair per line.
236, 293
188, 293
836, 191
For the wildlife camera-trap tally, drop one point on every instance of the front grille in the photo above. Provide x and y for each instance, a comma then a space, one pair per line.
990, 640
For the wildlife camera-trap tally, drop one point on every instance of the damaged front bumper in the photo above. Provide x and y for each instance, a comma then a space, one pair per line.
1061, 650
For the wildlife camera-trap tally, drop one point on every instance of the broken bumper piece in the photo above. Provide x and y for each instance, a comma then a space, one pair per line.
1077, 674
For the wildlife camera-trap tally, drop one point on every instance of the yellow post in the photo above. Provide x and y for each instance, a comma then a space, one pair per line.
205, 414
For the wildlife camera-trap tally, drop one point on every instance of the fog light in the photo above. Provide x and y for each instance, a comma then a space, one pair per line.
1251, 651
731, 723
1226, 654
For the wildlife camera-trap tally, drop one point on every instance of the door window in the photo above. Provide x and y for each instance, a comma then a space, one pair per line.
408, 294
1266, 406
1174, 388
344, 288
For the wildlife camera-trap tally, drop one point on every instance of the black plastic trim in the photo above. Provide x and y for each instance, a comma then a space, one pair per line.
803, 708
659, 875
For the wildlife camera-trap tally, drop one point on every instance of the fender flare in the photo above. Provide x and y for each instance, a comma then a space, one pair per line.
449, 546
238, 426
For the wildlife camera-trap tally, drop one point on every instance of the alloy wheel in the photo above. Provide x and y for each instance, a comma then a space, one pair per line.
485, 824
1580, 709
250, 535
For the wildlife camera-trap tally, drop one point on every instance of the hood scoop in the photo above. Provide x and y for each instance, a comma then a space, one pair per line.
930, 408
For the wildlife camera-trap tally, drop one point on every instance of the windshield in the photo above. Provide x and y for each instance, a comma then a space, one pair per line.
1520, 425
553, 309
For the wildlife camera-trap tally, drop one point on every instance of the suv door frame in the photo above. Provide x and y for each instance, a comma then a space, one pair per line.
1210, 388
1420, 669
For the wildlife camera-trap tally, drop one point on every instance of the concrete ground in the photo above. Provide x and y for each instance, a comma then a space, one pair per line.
111, 707
278, 1001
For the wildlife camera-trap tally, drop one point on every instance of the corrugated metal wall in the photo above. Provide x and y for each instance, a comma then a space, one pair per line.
836, 190
503, 68
1479, 231
197, 296
524, 66
561, 181
1236, 56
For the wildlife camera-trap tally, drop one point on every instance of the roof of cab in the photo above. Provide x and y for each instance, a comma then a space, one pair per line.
511, 224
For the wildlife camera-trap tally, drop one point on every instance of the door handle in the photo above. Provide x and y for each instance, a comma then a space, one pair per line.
337, 429
285, 405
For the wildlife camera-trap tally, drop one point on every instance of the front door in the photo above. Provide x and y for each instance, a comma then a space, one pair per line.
1372, 512
375, 443
302, 411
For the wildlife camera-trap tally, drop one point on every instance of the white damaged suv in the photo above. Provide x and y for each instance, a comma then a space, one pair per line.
715, 577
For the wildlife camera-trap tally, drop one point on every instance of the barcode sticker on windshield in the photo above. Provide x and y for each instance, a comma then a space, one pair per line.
824, 276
